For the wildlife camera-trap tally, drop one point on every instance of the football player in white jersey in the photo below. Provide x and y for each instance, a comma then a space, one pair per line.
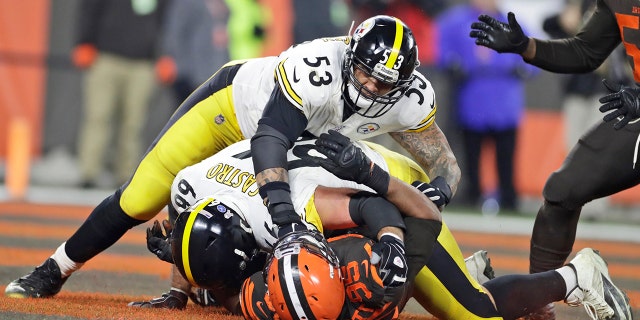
362, 85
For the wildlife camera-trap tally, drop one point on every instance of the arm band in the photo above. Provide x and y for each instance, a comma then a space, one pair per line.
283, 116
269, 149
279, 202
366, 208
379, 180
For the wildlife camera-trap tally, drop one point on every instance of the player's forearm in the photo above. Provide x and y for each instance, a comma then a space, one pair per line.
410, 201
393, 230
431, 150
530, 52
269, 155
585, 51
272, 175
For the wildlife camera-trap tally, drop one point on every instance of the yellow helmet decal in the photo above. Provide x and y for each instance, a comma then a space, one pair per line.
187, 235
397, 42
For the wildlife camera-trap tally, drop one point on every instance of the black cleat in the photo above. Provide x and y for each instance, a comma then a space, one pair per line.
43, 282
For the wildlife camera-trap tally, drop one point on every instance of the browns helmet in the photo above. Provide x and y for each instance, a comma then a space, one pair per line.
303, 278
384, 48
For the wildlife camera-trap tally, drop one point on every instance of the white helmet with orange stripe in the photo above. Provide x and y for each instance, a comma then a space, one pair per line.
303, 278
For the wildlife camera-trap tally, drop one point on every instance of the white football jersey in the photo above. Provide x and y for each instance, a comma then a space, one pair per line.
310, 76
228, 177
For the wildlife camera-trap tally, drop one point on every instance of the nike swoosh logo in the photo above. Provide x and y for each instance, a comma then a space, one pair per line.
295, 79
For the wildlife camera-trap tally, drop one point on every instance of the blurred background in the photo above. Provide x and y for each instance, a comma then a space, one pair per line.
45, 63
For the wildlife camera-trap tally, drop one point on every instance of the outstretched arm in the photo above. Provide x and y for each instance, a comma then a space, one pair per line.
279, 126
584, 52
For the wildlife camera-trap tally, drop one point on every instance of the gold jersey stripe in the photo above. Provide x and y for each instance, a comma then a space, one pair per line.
282, 75
185, 239
425, 123
397, 42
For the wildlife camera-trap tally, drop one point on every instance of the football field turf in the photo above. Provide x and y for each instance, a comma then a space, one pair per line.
127, 271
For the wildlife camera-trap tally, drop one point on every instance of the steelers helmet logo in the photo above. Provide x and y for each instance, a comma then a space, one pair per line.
363, 29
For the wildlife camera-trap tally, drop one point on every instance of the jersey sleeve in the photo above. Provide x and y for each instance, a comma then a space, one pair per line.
308, 74
421, 100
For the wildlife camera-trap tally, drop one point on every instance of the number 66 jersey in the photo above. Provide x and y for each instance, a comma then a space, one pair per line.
228, 176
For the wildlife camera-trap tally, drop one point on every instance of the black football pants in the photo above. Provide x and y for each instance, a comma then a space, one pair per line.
599, 165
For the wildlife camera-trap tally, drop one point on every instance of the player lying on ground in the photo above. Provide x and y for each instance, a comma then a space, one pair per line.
205, 254
335, 204
203, 248
446, 289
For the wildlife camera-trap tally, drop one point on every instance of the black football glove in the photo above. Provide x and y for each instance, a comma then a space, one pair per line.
346, 161
174, 299
158, 242
438, 191
284, 229
623, 100
203, 297
388, 254
499, 36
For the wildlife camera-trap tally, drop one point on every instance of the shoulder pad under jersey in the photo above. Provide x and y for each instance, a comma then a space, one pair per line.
310, 73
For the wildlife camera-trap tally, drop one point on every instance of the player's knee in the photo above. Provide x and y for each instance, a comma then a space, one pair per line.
560, 190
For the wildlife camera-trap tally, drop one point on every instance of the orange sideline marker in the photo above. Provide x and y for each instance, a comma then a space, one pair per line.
18, 158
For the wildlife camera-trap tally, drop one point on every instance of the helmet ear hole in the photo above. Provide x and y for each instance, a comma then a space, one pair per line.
211, 241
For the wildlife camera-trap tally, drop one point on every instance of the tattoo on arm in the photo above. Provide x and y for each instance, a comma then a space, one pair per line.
431, 150
272, 174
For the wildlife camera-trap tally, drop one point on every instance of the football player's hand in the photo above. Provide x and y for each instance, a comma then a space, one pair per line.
388, 254
438, 191
158, 242
499, 36
622, 101
284, 229
203, 297
284, 216
347, 161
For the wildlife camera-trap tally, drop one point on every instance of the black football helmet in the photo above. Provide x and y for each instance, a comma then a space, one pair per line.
384, 48
205, 252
